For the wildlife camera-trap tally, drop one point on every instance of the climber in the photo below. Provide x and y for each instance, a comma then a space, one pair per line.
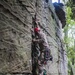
44, 47
60, 13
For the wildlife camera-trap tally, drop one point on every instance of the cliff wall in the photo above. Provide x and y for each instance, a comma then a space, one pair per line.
15, 36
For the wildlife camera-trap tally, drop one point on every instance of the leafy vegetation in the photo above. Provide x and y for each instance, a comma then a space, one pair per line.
71, 4
69, 36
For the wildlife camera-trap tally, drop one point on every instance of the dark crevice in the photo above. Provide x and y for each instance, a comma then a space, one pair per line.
46, 1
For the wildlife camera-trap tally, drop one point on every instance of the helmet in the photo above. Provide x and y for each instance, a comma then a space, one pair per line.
36, 29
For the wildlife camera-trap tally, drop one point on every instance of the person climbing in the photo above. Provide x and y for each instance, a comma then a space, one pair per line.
42, 40
40, 50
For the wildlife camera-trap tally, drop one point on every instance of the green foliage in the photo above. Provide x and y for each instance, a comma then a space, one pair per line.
69, 39
71, 4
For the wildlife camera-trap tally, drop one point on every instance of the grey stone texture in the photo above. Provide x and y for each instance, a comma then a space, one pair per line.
15, 36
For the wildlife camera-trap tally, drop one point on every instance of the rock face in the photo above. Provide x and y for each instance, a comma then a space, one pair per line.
15, 36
